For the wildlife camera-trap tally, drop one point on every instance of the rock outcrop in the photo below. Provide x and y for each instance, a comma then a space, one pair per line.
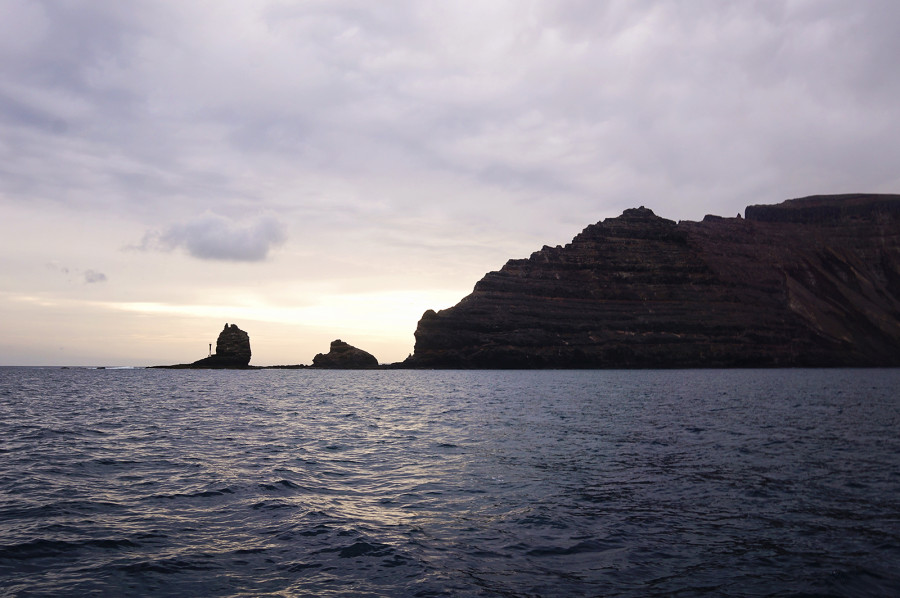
808, 282
232, 351
343, 356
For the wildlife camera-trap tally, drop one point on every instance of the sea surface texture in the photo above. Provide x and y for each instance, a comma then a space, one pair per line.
118, 482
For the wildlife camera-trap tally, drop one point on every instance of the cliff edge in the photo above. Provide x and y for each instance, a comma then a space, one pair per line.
809, 282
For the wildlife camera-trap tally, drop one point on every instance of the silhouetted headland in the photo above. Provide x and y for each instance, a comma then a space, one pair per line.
810, 282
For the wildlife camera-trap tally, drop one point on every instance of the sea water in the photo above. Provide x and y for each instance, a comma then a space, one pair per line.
449, 483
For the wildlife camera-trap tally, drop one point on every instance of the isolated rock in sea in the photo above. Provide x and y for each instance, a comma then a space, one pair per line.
808, 282
232, 350
345, 357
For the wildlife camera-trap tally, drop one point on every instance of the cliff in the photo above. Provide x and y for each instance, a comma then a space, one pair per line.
808, 282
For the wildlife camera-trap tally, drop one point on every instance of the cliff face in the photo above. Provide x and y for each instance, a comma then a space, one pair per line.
809, 282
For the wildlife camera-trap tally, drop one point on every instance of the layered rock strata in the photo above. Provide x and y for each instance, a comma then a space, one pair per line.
344, 356
808, 282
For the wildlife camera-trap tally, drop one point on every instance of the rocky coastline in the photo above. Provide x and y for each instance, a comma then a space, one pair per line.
809, 282
233, 352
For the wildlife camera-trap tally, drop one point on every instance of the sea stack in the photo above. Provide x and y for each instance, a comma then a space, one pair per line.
232, 350
811, 282
343, 356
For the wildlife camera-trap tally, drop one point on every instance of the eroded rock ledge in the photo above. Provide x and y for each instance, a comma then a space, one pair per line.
809, 282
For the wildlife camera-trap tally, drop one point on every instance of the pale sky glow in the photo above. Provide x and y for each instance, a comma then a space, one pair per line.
351, 312
331, 169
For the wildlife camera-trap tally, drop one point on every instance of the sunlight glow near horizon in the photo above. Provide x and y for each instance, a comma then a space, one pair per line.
382, 323
382, 313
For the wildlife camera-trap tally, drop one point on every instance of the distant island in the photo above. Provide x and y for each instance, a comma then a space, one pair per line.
233, 352
810, 282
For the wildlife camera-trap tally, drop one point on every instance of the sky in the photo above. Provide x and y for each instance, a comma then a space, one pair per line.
323, 169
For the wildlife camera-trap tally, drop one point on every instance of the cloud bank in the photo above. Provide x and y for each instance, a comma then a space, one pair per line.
470, 111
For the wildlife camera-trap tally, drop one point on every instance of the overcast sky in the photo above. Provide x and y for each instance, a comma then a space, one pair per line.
326, 169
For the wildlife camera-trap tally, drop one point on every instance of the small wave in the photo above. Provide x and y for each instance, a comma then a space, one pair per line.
579, 548
250, 550
115, 462
203, 494
46, 433
541, 521
271, 505
56, 509
298, 567
295, 532
172, 565
112, 543
360, 548
41, 548
36, 549
279, 485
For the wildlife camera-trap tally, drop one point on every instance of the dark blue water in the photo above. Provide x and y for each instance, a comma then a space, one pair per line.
406, 483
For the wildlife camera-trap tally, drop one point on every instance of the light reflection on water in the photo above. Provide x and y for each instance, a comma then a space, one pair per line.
558, 483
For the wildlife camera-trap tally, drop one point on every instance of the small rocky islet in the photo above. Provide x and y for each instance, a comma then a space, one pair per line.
343, 356
810, 282
233, 352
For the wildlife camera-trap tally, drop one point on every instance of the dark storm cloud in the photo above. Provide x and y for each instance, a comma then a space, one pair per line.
214, 237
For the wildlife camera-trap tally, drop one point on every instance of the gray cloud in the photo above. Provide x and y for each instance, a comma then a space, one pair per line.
588, 106
92, 276
215, 237
89, 276
57, 267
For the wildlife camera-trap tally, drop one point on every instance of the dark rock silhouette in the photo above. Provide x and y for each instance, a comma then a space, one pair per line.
344, 356
808, 282
232, 351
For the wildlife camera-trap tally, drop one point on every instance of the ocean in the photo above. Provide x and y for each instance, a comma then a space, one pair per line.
143, 482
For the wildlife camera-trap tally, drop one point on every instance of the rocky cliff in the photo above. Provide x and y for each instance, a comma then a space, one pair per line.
808, 282
344, 356
232, 351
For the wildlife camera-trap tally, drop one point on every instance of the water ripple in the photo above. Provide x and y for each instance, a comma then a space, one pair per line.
739, 483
